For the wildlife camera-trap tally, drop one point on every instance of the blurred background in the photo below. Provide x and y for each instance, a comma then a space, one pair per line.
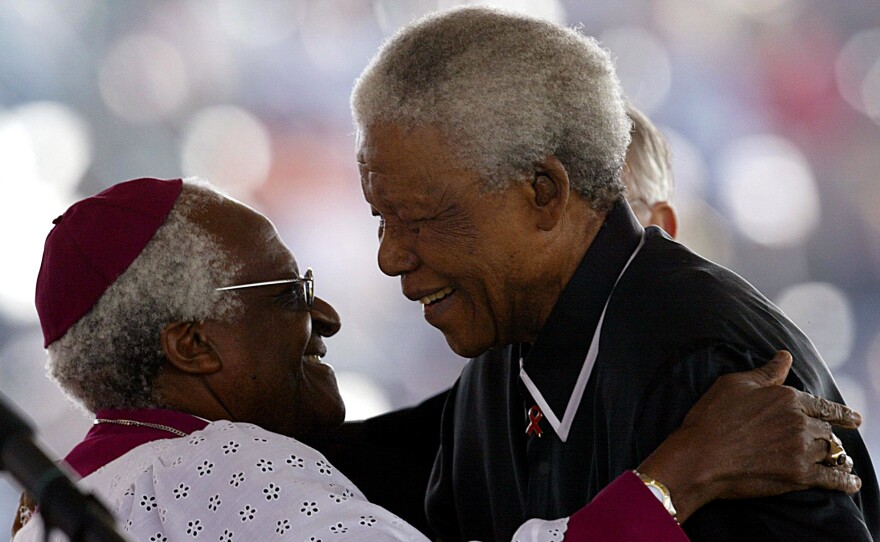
772, 108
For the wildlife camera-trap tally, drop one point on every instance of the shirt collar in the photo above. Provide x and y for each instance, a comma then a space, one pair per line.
182, 421
107, 442
555, 359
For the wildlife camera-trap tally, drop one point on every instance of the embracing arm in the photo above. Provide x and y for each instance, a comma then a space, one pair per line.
763, 447
743, 413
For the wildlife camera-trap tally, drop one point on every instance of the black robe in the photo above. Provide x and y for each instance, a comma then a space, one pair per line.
674, 324
389, 457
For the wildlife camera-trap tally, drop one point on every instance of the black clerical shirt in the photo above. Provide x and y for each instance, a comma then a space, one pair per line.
675, 322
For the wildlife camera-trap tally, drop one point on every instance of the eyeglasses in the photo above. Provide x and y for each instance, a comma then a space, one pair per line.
307, 282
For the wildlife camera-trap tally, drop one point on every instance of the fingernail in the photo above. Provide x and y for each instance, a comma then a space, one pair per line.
855, 417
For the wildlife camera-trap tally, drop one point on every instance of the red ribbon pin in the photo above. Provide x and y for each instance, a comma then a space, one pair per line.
535, 416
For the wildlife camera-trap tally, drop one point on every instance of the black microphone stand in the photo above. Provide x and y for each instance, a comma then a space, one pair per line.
62, 505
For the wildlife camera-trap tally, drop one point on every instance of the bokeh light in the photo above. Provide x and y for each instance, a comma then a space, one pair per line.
767, 10
705, 231
872, 362
327, 25
855, 396
689, 169
26, 213
856, 69
867, 201
51, 13
871, 92
60, 142
702, 29
642, 63
260, 23
551, 10
824, 313
392, 14
229, 146
769, 189
362, 395
143, 78
44, 150
17, 155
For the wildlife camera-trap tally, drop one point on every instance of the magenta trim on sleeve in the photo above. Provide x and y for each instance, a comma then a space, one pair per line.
625, 511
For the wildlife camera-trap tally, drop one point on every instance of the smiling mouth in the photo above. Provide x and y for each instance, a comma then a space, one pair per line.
437, 296
314, 358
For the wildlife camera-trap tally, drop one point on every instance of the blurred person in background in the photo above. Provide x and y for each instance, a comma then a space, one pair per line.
647, 174
490, 147
390, 457
180, 319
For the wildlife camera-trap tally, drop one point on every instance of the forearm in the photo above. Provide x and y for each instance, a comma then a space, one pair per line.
679, 464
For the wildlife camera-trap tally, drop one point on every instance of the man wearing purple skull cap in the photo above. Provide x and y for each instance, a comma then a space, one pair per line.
179, 318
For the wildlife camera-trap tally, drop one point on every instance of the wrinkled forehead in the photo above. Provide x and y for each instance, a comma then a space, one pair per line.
393, 148
418, 163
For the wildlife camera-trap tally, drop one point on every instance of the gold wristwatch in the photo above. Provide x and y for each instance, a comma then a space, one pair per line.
660, 491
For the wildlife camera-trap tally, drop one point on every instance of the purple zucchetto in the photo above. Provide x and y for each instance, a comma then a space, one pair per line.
93, 243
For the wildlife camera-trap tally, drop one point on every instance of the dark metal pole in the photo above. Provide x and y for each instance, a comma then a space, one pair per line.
62, 505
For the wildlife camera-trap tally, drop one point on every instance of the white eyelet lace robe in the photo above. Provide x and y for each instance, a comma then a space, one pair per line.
237, 482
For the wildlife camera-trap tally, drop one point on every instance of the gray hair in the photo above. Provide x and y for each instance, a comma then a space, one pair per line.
509, 90
648, 170
112, 355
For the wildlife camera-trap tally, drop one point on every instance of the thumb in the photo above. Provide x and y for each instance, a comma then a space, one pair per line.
773, 372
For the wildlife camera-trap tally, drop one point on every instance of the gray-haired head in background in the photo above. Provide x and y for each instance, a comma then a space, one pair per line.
647, 173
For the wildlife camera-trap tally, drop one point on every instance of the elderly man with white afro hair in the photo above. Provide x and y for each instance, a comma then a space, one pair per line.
490, 147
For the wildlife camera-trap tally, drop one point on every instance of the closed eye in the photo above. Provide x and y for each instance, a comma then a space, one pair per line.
292, 298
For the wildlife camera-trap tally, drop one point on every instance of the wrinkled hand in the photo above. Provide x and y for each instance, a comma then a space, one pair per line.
749, 436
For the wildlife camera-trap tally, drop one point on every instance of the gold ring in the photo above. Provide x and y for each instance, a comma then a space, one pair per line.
836, 454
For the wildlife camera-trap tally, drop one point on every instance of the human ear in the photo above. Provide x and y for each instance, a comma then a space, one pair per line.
551, 190
188, 349
663, 215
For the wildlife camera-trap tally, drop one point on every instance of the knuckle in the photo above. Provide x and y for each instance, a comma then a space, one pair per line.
783, 399
799, 424
787, 395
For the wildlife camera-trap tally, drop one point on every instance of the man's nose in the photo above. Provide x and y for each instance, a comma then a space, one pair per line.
395, 255
325, 319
